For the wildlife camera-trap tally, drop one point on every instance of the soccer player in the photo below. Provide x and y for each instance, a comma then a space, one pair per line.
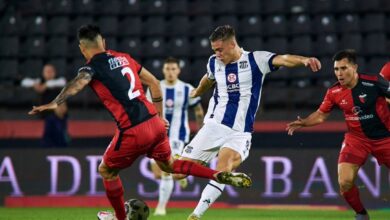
116, 79
176, 102
227, 131
362, 99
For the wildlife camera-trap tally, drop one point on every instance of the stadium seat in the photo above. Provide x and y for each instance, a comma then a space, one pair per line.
224, 6
276, 97
177, 7
154, 47
178, 46
321, 6
325, 45
131, 45
200, 46
185, 69
275, 25
11, 24
375, 44
374, 22
60, 65
369, 6
77, 22
317, 94
130, 26
250, 25
351, 41
297, 6
348, 23
73, 67
32, 7
202, 25
36, 25
249, 7
31, 68
112, 7
362, 65
178, 25
154, 7
299, 24
9, 70
198, 70
324, 24
108, 25
155, 67
6, 94
34, 47
59, 25
56, 7
9, 46
57, 47
300, 96
84, 7
131, 7
273, 7
326, 70
375, 64
111, 43
251, 43
201, 7
154, 25
24, 97
227, 19
276, 45
345, 6
73, 48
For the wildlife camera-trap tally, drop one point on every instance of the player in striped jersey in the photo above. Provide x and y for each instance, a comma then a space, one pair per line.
176, 102
238, 77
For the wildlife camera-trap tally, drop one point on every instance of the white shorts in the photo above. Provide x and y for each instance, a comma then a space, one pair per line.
213, 136
176, 148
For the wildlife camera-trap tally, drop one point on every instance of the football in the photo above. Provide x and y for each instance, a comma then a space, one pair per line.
136, 209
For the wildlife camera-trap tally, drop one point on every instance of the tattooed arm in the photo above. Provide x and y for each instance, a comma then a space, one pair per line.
72, 88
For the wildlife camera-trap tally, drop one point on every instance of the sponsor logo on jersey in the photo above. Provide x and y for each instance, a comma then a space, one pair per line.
343, 102
363, 98
243, 64
359, 118
367, 84
117, 62
336, 90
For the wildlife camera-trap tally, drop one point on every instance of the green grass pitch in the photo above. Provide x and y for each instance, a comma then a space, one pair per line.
181, 214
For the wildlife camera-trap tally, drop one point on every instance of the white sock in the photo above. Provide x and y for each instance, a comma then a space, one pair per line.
165, 191
210, 193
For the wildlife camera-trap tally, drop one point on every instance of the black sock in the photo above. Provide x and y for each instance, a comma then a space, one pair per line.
363, 212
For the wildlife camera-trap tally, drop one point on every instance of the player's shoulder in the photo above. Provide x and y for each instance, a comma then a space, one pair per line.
212, 58
335, 88
368, 77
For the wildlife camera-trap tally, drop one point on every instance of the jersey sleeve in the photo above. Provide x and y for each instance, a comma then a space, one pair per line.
87, 69
385, 71
264, 61
327, 104
192, 101
211, 68
384, 86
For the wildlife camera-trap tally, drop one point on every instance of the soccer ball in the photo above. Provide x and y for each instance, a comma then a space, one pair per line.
136, 209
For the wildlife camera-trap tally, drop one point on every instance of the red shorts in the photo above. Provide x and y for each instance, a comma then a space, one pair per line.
356, 150
149, 137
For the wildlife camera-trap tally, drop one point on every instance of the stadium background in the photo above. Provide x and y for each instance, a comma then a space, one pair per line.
34, 32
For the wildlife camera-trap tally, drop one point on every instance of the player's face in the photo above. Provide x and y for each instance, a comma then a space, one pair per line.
48, 72
224, 50
345, 72
171, 72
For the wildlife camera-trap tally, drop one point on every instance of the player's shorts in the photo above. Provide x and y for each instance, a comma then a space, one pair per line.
213, 136
356, 149
176, 148
149, 137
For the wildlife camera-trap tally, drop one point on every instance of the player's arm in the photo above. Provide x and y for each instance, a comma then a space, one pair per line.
313, 119
199, 114
70, 89
384, 86
204, 85
148, 79
289, 60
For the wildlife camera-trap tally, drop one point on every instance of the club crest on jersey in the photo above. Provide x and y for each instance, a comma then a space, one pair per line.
363, 98
188, 149
169, 103
243, 64
356, 110
231, 77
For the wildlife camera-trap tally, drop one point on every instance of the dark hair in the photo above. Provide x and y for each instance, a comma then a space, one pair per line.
88, 32
222, 33
349, 54
172, 60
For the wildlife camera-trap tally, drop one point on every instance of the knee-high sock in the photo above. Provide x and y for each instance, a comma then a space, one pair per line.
353, 199
210, 193
194, 169
165, 190
114, 192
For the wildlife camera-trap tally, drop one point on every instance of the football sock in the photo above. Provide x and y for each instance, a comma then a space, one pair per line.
194, 169
114, 192
353, 199
165, 190
210, 193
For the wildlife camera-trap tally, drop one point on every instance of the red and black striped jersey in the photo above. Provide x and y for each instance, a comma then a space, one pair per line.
116, 82
364, 106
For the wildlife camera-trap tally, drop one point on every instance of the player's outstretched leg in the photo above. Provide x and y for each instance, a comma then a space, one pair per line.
235, 179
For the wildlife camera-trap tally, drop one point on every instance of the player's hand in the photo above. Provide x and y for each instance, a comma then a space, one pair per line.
291, 127
194, 93
41, 108
313, 63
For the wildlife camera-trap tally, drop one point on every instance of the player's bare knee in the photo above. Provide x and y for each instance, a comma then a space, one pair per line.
345, 184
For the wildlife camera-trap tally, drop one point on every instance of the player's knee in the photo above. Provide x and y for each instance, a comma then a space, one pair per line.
106, 172
177, 176
345, 184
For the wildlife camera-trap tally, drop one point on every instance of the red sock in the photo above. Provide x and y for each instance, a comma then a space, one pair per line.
114, 192
194, 169
353, 199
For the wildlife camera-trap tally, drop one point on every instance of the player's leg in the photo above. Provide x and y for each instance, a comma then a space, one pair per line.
165, 188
